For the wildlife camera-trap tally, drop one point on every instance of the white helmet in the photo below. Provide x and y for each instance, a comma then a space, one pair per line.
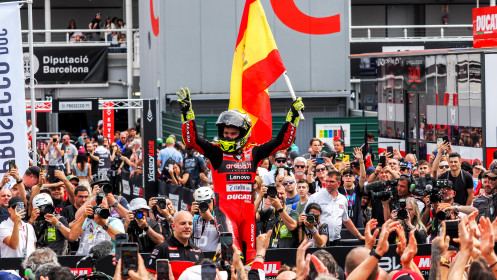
42, 199
204, 193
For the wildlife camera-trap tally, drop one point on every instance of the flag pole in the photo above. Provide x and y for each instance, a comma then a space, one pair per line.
32, 81
292, 93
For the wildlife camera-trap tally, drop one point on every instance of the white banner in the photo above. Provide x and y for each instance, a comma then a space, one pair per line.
13, 135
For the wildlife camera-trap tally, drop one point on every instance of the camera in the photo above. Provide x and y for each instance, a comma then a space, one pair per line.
54, 140
311, 217
138, 214
423, 185
434, 193
402, 212
161, 202
203, 206
383, 191
271, 191
104, 213
107, 188
45, 209
443, 215
99, 198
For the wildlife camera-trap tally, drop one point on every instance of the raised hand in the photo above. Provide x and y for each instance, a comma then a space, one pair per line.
185, 104
293, 115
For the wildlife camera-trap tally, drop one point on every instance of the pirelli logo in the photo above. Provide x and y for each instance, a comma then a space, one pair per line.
239, 177
239, 188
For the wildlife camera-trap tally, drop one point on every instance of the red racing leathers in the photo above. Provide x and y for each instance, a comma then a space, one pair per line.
233, 175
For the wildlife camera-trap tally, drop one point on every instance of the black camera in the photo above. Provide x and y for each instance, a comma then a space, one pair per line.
311, 217
45, 209
423, 185
402, 212
203, 206
138, 214
434, 193
443, 215
271, 191
383, 190
54, 140
107, 188
99, 198
104, 213
161, 202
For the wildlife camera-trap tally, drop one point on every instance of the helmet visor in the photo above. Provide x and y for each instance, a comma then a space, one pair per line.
233, 119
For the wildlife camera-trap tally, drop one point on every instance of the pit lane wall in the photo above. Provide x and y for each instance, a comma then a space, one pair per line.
274, 259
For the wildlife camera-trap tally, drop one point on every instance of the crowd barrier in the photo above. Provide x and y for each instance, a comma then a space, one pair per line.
273, 261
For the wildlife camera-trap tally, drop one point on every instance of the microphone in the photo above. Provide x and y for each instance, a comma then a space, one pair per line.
98, 252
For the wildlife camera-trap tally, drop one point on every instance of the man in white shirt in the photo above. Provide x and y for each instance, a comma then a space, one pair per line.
280, 160
17, 238
334, 207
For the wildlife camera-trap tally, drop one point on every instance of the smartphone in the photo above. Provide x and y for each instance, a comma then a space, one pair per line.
281, 171
120, 239
226, 239
446, 138
208, 271
452, 230
346, 158
390, 150
319, 160
440, 140
19, 206
382, 161
44, 168
12, 164
162, 268
129, 258
170, 167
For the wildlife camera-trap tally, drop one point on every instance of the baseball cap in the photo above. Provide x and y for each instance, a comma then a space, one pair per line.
280, 155
138, 203
405, 164
406, 274
83, 130
14, 200
100, 140
33, 170
72, 177
170, 140
490, 174
339, 157
100, 122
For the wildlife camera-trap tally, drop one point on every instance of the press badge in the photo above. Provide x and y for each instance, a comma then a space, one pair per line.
174, 255
275, 243
51, 234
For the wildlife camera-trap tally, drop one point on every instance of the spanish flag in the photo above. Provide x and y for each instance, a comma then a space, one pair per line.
256, 65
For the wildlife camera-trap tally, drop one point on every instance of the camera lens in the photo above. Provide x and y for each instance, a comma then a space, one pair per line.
102, 212
272, 192
203, 206
162, 204
107, 188
402, 214
441, 215
310, 218
139, 215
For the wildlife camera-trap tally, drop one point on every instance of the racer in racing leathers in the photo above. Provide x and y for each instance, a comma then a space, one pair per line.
234, 163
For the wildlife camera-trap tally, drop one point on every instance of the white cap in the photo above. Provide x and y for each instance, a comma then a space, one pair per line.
204, 193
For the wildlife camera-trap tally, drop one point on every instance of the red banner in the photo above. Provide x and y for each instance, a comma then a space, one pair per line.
108, 118
485, 27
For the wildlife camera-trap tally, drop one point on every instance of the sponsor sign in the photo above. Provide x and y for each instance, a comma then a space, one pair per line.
485, 27
239, 188
239, 196
149, 135
271, 268
326, 132
68, 64
414, 74
81, 271
13, 141
74, 105
108, 118
239, 177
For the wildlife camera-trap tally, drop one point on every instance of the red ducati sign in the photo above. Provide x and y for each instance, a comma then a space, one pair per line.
485, 27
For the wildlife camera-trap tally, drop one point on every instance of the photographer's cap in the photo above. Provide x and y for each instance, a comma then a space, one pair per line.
138, 203
279, 155
490, 174
339, 157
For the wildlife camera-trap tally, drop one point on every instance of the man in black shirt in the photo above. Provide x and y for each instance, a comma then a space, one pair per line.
353, 191
178, 247
93, 158
140, 228
462, 180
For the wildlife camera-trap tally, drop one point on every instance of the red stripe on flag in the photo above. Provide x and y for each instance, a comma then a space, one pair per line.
261, 75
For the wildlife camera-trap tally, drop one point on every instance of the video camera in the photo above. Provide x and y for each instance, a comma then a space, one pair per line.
401, 210
423, 186
383, 190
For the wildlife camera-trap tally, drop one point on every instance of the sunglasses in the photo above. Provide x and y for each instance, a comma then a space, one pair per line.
288, 183
320, 169
403, 168
299, 166
281, 160
443, 166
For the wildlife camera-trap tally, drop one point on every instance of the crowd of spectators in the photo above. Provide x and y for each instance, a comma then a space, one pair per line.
74, 202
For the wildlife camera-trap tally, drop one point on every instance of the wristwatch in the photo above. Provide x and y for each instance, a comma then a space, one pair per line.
105, 227
18, 182
115, 204
280, 210
146, 228
374, 254
59, 224
444, 261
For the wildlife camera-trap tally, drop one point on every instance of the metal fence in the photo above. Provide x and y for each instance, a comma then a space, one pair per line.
394, 33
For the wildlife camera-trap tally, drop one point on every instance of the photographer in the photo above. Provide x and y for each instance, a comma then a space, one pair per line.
163, 212
311, 226
403, 192
93, 158
353, 189
51, 229
277, 219
140, 228
95, 225
54, 151
410, 218
280, 161
205, 223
